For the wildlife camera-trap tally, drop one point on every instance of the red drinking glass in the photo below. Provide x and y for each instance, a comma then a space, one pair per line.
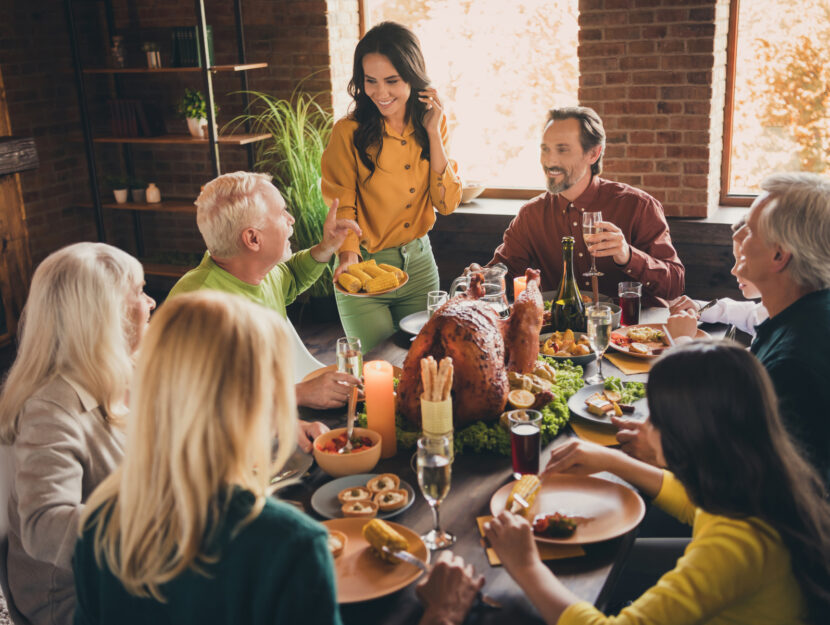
525, 441
630, 295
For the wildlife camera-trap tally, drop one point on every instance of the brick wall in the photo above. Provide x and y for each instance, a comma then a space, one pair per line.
653, 70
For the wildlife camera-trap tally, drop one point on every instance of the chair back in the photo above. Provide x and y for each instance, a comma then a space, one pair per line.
304, 362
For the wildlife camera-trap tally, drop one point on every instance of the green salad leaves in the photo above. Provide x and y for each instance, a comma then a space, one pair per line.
629, 391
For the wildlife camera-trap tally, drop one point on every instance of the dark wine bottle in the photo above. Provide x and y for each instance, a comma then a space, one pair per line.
568, 307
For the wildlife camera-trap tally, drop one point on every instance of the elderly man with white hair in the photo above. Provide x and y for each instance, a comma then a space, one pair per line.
246, 228
786, 254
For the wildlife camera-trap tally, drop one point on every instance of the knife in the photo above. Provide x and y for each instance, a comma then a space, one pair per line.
707, 306
405, 556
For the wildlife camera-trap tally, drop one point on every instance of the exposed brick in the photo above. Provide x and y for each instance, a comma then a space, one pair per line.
591, 34
661, 180
642, 137
617, 78
639, 62
645, 151
669, 108
642, 93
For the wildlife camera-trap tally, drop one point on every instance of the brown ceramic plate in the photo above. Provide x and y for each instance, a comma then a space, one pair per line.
604, 509
365, 294
361, 575
396, 372
651, 344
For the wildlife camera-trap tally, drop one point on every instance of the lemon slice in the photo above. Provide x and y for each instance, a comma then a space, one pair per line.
520, 398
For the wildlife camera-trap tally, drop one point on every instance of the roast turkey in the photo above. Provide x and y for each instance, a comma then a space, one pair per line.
483, 349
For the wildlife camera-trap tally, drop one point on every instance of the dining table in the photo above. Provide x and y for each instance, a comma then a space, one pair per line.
475, 478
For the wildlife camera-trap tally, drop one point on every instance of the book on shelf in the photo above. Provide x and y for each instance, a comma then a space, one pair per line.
134, 118
187, 48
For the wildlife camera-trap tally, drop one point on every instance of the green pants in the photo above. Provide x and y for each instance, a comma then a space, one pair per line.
372, 319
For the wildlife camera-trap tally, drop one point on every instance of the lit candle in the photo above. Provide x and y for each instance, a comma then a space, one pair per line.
519, 284
380, 404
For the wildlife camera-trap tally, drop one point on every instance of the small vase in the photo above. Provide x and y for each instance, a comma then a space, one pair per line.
137, 195
197, 127
120, 196
153, 195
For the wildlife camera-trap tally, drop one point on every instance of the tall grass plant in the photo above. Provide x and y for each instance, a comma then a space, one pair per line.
300, 129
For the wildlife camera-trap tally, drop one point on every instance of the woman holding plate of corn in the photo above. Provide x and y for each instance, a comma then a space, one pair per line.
387, 164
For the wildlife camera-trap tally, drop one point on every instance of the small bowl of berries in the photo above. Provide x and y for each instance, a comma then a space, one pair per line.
362, 458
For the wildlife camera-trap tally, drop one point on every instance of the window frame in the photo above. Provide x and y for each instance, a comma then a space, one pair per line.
500, 193
726, 198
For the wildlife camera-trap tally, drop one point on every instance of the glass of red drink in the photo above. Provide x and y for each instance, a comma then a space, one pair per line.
630, 294
525, 441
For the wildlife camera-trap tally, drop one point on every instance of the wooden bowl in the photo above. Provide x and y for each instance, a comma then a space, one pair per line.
338, 465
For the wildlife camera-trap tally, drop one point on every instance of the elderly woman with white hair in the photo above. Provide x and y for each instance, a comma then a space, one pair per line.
62, 409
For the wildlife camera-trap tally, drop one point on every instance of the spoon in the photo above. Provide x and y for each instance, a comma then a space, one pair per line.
349, 422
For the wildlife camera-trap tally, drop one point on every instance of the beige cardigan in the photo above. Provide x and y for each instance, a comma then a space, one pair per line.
64, 449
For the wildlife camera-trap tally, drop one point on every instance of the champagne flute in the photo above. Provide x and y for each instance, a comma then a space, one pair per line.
599, 335
350, 356
589, 226
434, 472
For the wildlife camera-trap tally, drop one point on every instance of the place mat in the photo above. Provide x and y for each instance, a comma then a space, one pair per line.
546, 551
595, 434
629, 365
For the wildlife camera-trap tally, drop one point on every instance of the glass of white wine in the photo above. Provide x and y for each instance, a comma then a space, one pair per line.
599, 335
350, 356
434, 472
590, 219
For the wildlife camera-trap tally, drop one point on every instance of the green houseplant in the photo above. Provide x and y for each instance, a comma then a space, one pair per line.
300, 129
193, 107
119, 186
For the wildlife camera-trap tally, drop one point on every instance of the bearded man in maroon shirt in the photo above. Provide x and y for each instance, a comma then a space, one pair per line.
634, 243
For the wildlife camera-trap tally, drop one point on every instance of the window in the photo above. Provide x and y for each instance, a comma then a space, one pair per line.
499, 67
778, 94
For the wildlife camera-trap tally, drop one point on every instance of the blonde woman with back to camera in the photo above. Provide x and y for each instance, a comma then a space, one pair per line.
62, 410
183, 531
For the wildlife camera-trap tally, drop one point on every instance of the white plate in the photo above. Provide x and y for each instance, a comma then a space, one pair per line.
325, 502
413, 323
577, 406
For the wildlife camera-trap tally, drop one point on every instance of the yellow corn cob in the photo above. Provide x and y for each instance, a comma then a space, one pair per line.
358, 273
373, 269
398, 272
386, 280
379, 534
527, 487
349, 282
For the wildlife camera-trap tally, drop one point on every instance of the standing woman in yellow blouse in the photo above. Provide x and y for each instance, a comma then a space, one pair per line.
388, 166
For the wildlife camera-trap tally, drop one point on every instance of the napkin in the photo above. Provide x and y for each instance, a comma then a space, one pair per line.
629, 365
595, 434
547, 551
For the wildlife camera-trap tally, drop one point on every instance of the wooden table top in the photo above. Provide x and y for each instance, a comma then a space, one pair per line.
474, 479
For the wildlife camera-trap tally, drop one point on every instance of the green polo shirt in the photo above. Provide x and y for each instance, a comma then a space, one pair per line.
794, 347
276, 570
277, 290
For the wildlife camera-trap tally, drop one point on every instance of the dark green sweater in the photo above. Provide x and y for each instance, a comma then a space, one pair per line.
794, 347
278, 569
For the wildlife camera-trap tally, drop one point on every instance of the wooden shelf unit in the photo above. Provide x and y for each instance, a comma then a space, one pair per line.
169, 205
241, 67
164, 270
235, 139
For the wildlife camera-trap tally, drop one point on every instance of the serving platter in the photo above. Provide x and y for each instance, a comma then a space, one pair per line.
325, 503
581, 360
362, 575
661, 346
364, 294
412, 324
603, 509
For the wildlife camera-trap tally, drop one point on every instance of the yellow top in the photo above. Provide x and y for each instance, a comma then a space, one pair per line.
733, 571
395, 205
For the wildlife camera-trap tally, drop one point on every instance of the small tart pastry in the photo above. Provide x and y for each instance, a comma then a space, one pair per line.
337, 542
355, 493
391, 499
382, 482
361, 509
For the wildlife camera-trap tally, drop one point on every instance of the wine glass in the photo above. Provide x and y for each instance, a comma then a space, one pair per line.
589, 226
599, 335
434, 471
350, 356
436, 299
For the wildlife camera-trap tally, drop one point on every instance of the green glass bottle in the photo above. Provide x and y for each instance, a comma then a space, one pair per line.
568, 307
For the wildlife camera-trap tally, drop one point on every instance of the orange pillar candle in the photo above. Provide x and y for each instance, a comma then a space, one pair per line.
519, 284
380, 404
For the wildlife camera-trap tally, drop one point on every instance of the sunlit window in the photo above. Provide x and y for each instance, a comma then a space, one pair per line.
499, 66
781, 120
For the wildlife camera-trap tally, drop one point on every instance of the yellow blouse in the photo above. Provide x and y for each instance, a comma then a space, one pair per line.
395, 205
733, 572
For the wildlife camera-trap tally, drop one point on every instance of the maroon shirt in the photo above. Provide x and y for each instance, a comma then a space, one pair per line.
534, 239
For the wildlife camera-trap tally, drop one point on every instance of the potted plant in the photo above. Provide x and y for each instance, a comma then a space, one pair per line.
193, 108
300, 129
119, 186
137, 189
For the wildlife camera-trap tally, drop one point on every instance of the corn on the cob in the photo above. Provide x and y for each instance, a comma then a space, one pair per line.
373, 269
386, 280
399, 273
379, 534
358, 273
349, 282
527, 488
